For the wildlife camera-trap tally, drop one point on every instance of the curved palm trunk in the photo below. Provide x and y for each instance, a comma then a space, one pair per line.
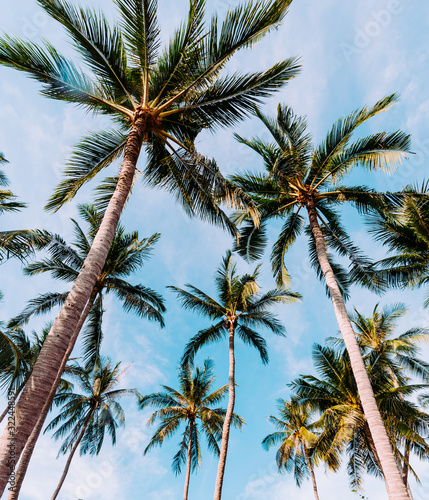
395, 486
310, 468
34, 436
228, 415
67, 467
51, 355
188, 465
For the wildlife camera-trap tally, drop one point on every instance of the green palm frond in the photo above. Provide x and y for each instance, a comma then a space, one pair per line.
141, 32
89, 157
40, 305
202, 338
101, 47
291, 229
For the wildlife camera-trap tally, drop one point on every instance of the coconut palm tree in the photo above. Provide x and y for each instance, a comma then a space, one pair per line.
297, 438
192, 403
238, 310
405, 232
87, 417
397, 354
20, 353
345, 425
160, 100
298, 178
126, 255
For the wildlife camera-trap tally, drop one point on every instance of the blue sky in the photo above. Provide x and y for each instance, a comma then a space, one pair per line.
353, 53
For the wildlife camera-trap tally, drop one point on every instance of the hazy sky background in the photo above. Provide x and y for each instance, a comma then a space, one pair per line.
353, 53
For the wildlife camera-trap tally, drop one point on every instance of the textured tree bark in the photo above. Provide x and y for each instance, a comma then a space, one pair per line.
228, 415
37, 390
67, 467
188, 465
396, 489
405, 467
34, 436
310, 468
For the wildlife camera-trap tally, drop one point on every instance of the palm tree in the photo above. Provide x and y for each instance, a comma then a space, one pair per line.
297, 440
87, 417
20, 354
397, 354
405, 232
192, 403
299, 177
238, 310
159, 99
126, 255
345, 425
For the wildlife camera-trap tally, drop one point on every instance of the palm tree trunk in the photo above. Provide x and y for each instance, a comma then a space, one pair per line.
310, 468
405, 467
189, 462
67, 467
34, 436
45, 370
229, 413
395, 486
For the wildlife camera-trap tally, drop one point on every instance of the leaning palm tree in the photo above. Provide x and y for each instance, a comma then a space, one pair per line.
396, 354
87, 417
160, 101
238, 310
300, 178
297, 438
345, 424
127, 254
192, 403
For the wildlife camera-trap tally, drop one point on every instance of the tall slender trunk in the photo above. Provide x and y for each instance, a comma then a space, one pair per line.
405, 467
189, 462
395, 486
36, 392
67, 467
229, 413
310, 468
34, 436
